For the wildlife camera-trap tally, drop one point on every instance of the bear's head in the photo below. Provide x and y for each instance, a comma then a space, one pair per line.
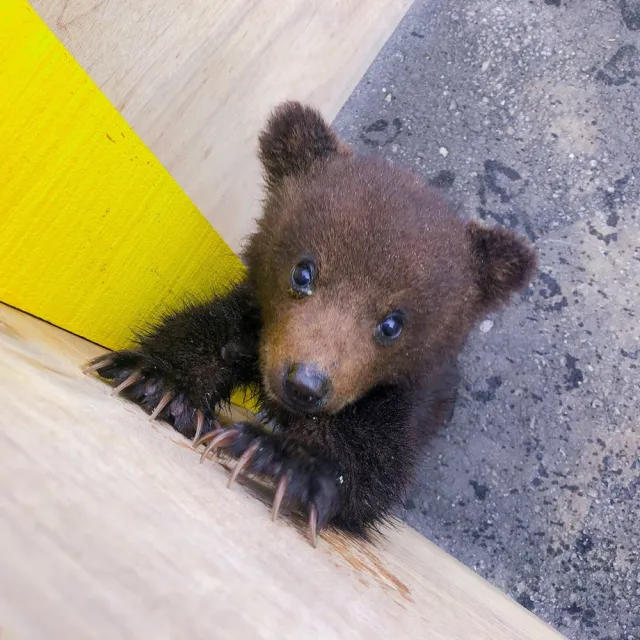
364, 274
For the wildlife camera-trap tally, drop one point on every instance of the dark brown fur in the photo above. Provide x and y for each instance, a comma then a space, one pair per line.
381, 240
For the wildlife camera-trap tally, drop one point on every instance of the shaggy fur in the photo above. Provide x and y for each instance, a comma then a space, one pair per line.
381, 242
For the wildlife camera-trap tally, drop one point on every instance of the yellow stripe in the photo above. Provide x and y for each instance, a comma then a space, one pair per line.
95, 236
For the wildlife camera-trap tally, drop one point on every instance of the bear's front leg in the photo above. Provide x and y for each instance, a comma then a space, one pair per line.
347, 470
186, 368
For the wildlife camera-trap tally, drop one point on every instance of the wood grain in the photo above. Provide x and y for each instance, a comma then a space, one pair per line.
109, 528
196, 78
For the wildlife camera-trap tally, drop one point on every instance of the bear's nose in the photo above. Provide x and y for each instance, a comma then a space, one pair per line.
305, 386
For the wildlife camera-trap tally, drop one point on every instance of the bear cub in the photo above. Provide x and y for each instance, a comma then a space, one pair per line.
361, 288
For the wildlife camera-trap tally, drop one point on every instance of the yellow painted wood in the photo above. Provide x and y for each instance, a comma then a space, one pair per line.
95, 236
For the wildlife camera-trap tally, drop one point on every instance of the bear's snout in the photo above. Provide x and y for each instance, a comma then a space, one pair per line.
305, 386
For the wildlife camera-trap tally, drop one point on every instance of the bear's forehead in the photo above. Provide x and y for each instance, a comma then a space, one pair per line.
368, 197
366, 219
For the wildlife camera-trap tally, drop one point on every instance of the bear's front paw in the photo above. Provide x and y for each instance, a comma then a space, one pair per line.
298, 476
147, 382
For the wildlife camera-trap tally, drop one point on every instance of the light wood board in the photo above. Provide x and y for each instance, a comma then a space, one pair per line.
196, 78
109, 528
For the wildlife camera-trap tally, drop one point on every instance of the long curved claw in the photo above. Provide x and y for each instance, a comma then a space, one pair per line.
164, 401
313, 525
242, 462
221, 439
132, 379
199, 425
97, 363
281, 489
208, 436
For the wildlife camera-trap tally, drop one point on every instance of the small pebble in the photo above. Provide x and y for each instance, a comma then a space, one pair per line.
486, 326
443, 151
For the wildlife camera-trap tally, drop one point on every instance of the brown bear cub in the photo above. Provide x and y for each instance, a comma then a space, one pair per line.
362, 286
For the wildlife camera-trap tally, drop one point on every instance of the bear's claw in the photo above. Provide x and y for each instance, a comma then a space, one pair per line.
164, 401
313, 525
199, 425
281, 489
98, 363
132, 379
219, 438
242, 462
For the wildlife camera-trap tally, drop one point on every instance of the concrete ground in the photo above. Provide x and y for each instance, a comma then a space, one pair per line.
528, 113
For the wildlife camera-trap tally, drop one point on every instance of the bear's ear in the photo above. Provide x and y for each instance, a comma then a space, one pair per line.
294, 138
503, 262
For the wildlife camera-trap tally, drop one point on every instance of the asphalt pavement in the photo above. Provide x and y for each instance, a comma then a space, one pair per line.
527, 113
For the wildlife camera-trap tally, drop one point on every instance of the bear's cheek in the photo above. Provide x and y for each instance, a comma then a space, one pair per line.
326, 340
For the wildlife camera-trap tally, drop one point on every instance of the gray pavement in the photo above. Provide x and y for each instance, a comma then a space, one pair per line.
527, 113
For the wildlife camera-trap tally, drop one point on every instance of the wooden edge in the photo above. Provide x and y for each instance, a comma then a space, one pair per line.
110, 528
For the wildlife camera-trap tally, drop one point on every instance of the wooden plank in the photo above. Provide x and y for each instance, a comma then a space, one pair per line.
109, 528
196, 78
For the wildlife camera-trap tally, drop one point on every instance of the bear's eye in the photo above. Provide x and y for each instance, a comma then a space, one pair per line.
390, 328
302, 278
